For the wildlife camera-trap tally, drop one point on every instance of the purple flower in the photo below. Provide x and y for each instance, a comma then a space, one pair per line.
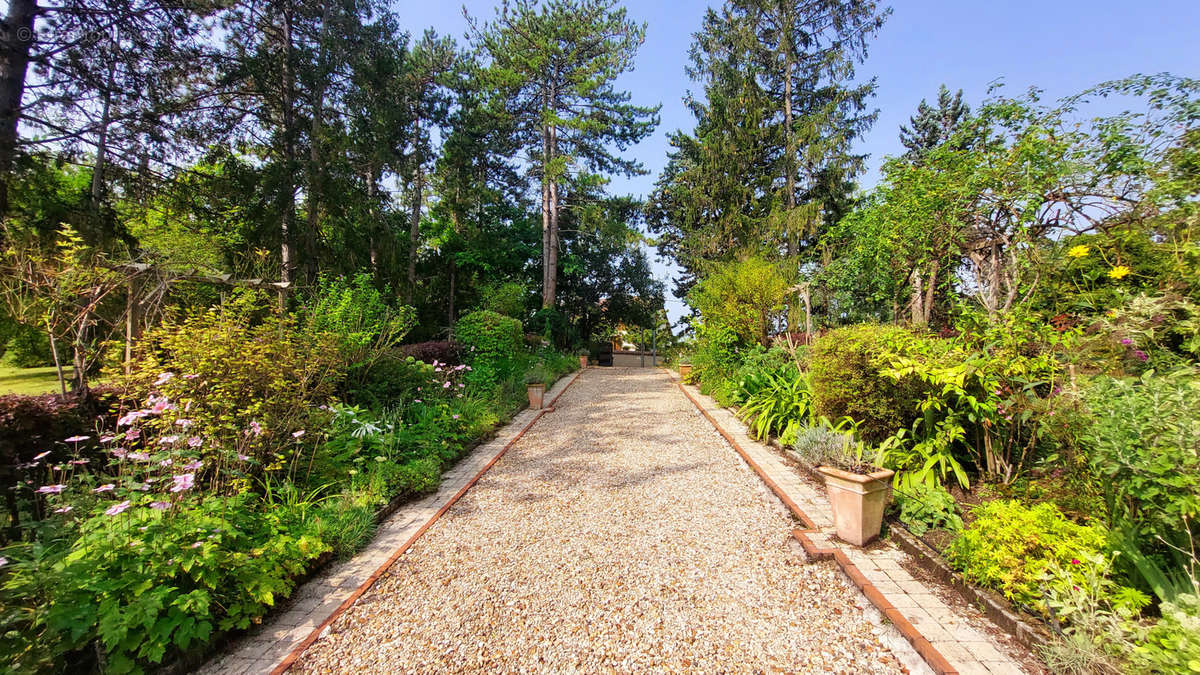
50, 489
195, 442
193, 465
1126, 341
1141, 355
183, 482
117, 508
107, 487
244, 458
160, 506
76, 439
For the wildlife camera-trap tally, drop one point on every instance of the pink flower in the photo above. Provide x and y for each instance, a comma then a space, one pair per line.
244, 458
77, 462
139, 456
167, 440
161, 406
193, 465
129, 418
3, 561
416, 400
297, 434
117, 508
107, 439
183, 482
50, 489
197, 544
255, 429
40, 455
1126, 341
119, 453
446, 385
164, 378
107, 487
190, 376
1075, 561
160, 506
133, 435
166, 462
454, 417
63, 509
76, 439
195, 442
184, 423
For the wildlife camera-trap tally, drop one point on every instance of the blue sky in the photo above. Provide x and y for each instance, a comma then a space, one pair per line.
1060, 46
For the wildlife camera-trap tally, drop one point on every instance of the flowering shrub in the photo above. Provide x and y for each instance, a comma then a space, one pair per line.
220, 382
1009, 547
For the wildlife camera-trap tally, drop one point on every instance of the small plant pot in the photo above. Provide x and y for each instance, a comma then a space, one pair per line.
685, 369
536, 393
858, 501
582, 361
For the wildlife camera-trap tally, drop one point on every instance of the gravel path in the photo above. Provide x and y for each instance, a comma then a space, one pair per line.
621, 533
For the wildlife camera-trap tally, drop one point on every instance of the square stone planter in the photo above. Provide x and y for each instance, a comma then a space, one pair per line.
685, 369
858, 501
536, 393
582, 361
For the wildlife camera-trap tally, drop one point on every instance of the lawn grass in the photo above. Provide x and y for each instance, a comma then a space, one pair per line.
30, 380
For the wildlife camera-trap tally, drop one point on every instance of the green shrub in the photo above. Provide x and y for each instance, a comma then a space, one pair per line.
1009, 547
716, 358
847, 381
228, 371
390, 380
743, 295
1143, 443
492, 344
345, 523
780, 401
28, 347
507, 298
358, 316
147, 582
923, 508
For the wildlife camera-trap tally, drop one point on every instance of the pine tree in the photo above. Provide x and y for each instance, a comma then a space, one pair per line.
931, 126
556, 65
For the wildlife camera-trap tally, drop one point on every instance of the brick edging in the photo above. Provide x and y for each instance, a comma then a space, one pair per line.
295, 654
924, 647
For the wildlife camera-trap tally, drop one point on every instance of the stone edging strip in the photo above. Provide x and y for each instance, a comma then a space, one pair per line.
924, 647
294, 655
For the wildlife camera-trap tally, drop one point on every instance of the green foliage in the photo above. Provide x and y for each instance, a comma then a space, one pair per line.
1142, 443
390, 380
234, 369
1009, 547
358, 316
492, 344
149, 582
847, 380
1173, 644
716, 357
507, 298
781, 401
27, 347
923, 508
745, 296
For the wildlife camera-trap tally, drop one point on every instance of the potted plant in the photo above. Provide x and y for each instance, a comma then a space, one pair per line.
535, 384
583, 358
685, 368
858, 489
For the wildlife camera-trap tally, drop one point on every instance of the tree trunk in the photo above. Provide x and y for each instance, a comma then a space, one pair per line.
930, 290
450, 312
546, 298
549, 297
16, 41
314, 143
916, 311
414, 231
101, 150
58, 369
288, 194
373, 216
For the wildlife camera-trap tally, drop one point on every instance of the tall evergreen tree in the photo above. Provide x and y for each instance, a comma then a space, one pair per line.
931, 126
556, 66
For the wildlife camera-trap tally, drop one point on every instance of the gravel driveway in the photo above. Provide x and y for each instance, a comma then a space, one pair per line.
621, 533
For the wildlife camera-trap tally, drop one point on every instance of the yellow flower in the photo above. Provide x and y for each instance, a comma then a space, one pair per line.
1079, 251
1119, 272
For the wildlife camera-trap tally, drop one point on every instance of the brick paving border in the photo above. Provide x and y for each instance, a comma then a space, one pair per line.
942, 636
279, 641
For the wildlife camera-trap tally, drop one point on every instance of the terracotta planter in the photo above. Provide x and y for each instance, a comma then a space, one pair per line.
685, 369
858, 501
582, 361
536, 393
